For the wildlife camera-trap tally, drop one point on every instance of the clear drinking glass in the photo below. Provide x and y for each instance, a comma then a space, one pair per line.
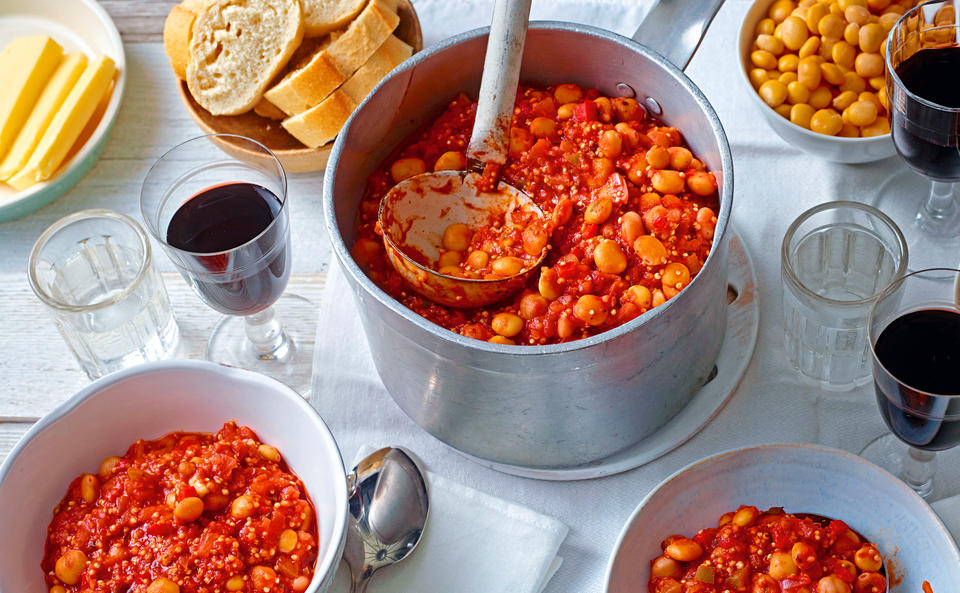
924, 97
94, 272
915, 372
835, 260
225, 225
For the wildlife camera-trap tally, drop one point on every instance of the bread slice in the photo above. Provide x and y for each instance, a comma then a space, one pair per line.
322, 16
320, 124
268, 110
364, 36
237, 47
327, 69
176, 38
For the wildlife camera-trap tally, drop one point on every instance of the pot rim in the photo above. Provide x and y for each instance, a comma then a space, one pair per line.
342, 251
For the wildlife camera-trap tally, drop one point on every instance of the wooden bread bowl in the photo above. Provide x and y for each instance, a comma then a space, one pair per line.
293, 155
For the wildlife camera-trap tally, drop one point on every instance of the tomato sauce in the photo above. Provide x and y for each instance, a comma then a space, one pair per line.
187, 513
631, 212
769, 552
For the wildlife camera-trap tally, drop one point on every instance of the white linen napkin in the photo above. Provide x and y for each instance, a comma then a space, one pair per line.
473, 543
949, 511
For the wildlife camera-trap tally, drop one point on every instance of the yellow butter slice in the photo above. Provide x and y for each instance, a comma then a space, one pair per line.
26, 67
52, 97
67, 124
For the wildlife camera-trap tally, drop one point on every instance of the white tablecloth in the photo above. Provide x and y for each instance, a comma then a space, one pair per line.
774, 183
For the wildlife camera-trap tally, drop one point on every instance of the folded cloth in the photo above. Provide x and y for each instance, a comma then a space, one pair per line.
949, 511
473, 543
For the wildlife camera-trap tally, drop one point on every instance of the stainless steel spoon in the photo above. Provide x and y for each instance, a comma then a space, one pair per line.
388, 510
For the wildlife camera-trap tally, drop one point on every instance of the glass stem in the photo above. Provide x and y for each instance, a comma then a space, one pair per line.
939, 205
267, 335
918, 469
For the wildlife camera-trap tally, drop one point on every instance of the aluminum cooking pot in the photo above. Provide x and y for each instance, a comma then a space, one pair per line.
557, 405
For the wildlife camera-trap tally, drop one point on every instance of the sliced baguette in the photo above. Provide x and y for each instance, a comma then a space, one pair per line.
268, 110
320, 124
364, 36
176, 38
326, 70
237, 47
322, 16
176, 33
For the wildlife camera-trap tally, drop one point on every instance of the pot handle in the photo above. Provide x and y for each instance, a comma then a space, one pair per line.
675, 28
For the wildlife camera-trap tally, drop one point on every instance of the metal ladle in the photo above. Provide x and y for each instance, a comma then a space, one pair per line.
416, 211
388, 509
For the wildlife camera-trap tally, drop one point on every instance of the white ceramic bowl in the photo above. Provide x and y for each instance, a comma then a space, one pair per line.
799, 478
149, 401
832, 148
77, 25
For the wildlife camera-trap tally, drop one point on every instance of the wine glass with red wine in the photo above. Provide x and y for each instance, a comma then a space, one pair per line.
923, 90
225, 225
914, 331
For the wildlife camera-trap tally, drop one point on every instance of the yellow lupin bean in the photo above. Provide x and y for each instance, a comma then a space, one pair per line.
860, 113
801, 113
871, 37
877, 83
797, 92
788, 63
821, 97
787, 77
826, 121
758, 76
878, 128
831, 26
794, 32
783, 110
832, 73
765, 27
848, 131
808, 72
773, 92
844, 100
843, 54
781, 9
814, 14
853, 82
810, 47
856, 14
851, 34
770, 43
763, 59
869, 65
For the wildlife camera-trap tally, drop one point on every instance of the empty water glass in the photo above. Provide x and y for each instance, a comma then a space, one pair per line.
94, 272
836, 258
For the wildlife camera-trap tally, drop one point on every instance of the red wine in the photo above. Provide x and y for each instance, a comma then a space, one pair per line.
228, 229
920, 352
927, 137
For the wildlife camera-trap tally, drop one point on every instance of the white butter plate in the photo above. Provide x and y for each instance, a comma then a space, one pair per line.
801, 479
77, 25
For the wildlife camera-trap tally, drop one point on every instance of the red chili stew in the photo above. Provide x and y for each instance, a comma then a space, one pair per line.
187, 513
633, 213
768, 552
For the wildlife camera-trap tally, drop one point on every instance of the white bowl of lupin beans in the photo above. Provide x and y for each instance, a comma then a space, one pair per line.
816, 71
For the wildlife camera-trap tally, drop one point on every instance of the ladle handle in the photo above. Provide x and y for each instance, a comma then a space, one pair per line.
675, 28
498, 87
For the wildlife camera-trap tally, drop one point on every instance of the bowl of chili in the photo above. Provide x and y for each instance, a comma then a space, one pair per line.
562, 402
113, 444
808, 481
